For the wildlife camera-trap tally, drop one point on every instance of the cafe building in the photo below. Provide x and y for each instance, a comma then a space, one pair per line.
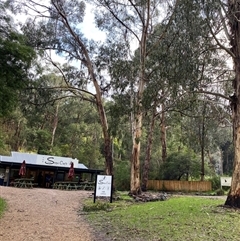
43, 165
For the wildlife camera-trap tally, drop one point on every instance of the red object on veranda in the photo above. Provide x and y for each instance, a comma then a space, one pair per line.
22, 171
71, 171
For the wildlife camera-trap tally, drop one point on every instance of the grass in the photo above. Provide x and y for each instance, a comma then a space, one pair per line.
178, 218
2, 206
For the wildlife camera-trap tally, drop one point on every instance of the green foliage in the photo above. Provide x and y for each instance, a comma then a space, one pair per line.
122, 175
14, 130
180, 164
220, 192
39, 140
216, 182
227, 149
90, 154
3, 147
15, 62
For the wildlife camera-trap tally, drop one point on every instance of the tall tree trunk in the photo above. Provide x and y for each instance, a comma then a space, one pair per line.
202, 142
55, 123
145, 11
233, 198
17, 135
104, 124
148, 151
103, 119
163, 135
135, 187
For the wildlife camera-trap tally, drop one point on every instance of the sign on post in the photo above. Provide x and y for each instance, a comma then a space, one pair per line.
226, 181
103, 186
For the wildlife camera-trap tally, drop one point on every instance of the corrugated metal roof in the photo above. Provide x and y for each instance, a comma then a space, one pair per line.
44, 160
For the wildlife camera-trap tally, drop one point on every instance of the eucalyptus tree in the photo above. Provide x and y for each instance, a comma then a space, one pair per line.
180, 65
198, 129
233, 15
56, 26
223, 20
128, 21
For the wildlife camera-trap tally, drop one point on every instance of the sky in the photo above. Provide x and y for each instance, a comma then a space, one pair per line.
87, 27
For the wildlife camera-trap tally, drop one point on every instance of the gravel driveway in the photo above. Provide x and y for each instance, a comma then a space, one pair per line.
43, 214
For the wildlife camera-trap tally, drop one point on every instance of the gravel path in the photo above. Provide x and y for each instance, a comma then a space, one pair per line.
43, 214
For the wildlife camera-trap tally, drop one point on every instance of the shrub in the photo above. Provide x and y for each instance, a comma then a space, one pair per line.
216, 182
97, 206
181, 164
220, 192
122, 176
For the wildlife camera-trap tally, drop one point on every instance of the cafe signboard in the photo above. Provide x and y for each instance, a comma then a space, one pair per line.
103, 186
55, 161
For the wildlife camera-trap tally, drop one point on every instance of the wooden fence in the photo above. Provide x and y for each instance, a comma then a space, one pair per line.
185, 186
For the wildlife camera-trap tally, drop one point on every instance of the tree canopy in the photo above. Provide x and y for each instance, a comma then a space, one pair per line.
15, 63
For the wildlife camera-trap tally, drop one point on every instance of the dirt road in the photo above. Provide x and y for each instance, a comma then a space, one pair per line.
43, 214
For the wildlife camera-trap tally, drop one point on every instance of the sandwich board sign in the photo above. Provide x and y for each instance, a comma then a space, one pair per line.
103, 186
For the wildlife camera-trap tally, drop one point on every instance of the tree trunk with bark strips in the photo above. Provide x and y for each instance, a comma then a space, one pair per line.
148, 152
163, 135
135, 187
233, 198
99, 101
55, 124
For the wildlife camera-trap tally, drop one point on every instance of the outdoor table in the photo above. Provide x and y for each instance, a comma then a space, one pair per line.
65, 185
72, 185
24, 182
86, 185
68, 185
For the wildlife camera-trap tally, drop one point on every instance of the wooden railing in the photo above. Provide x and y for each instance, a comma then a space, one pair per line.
184, 186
